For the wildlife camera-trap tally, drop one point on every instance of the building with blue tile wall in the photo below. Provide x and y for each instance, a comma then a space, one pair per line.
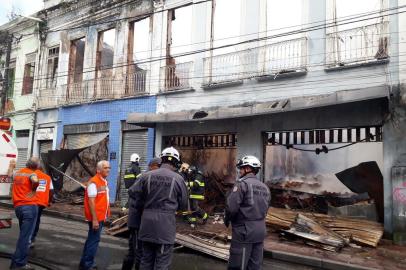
114, 112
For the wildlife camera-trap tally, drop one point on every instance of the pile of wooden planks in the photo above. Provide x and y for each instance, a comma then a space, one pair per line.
358, 231
118, 226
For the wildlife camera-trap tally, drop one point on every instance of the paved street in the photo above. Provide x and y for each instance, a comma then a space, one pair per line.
60, 244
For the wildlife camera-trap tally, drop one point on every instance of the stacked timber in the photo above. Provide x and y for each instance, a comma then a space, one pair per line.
118, 226
358, 231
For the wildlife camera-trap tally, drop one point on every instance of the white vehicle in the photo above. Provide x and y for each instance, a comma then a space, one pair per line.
8, 152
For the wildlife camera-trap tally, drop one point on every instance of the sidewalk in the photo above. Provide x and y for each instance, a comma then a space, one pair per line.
386, 256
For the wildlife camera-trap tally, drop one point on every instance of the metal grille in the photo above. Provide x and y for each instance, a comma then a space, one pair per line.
86, 128
22, 158
202, 141
133, 142
326, 136
45, 146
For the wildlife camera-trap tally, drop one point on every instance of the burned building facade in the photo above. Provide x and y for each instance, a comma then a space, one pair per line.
311, 96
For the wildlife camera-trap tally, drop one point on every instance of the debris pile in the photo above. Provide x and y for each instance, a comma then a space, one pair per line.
328, 232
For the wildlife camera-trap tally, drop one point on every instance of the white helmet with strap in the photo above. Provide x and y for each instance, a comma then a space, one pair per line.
135, 158
170, 153
250, 161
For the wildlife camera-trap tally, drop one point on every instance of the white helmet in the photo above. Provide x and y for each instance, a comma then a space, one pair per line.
135, 158
251, 161
170, 152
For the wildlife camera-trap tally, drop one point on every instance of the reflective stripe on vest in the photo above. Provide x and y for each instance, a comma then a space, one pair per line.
197, 197
200, 184
129, 176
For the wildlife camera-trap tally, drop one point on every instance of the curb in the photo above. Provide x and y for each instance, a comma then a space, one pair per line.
51, 213
313, 262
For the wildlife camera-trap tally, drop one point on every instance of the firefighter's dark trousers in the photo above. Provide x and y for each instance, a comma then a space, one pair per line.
246, 256
134, 252
156, 256
196, 210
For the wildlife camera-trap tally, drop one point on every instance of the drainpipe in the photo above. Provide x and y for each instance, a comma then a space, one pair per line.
41, 38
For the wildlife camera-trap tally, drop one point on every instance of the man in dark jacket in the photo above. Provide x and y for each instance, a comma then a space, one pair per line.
160, 194
247, 206
133, 258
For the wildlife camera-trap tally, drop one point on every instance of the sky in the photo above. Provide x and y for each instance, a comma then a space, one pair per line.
23, 7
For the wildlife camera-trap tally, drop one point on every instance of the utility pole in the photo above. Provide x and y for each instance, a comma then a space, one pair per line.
8, 38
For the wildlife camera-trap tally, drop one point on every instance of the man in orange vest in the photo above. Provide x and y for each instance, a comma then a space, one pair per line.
43, 193
97, 209
25, 205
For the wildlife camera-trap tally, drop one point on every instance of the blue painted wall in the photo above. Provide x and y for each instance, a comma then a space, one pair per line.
113, 112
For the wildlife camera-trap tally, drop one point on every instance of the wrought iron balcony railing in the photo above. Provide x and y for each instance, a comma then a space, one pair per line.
358, 45
175, 77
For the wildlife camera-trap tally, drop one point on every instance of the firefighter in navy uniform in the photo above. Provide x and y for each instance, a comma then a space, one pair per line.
197, 185
160, 194
247, 206
133, 171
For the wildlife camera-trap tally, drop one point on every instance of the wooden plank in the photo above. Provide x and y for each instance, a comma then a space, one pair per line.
218, 251
360, 231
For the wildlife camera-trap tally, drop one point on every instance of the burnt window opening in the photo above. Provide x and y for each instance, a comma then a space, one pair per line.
139, 49
11, 78
105, 53
226, 25
76, 60
139, 43
178, 42
277, 22
357, 41
52, 67
29, 71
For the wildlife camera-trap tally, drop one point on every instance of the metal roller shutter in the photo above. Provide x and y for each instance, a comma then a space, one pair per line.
45, 146
22, 158
78, 141
133, 142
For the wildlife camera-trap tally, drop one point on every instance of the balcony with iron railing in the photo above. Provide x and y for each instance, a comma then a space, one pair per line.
175, 77
360, 45
280, 57
133, 84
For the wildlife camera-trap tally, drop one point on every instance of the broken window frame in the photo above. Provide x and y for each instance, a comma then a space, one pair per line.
52, 67
11, 78
176, 75
29, 74
99, 54
229, 63
73, 75
136, 77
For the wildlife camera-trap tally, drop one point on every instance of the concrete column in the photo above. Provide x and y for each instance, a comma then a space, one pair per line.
201, 32
316, 11
158, 47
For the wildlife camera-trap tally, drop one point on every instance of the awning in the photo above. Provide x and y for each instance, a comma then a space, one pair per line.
256, 109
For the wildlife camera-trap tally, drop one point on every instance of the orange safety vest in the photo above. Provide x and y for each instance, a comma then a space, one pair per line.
101, 200
23, 191
44, 186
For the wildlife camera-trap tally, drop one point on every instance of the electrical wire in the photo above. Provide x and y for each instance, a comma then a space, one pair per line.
324, 26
